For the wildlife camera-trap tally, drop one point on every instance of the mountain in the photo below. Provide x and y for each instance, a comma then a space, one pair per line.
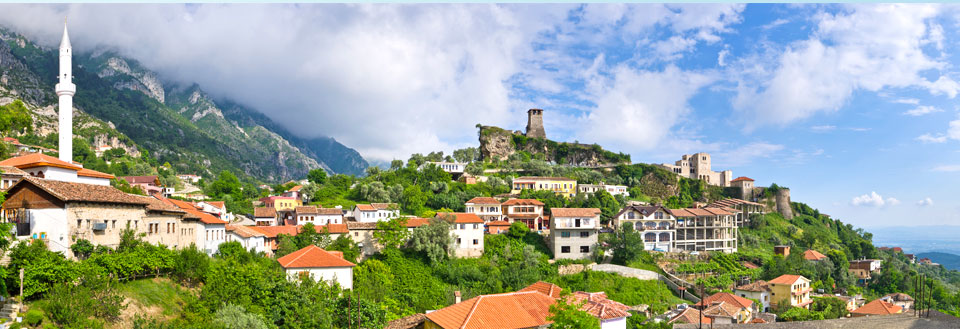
178, 124
948, 260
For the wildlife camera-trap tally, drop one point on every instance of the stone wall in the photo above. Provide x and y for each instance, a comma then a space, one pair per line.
783, 203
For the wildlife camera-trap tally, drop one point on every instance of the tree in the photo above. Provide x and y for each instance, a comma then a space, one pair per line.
627, 245
317, 176
518, 230
226, 184
468, 154
15, 117
396, 165
308, 235
286, 244
433, 240
82, 248
392, 233
474, 168
236, 317
344, 244
569, 316
413, 200
309, 191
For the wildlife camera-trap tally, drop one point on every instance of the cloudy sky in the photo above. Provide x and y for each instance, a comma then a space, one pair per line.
851, 106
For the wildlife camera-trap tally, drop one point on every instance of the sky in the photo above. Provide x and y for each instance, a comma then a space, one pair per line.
851, 106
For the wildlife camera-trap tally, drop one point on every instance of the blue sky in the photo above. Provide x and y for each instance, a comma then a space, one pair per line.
851, 106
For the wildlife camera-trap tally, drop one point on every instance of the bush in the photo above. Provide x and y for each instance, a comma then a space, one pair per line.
33, 317
236, 317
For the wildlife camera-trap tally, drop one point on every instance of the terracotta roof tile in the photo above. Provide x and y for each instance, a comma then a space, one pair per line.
498, 223
545, 288
742, 178
729, 298
140, 179
93, 173
643, 210
690, 315
306, 210
523, 202
461, 218
37, 160
365, 207
383, 206
899, 297
274, 231
191, 208
70, 191
313, 257
483, 200
523, 216
877, 307
13, 171
718, 211
329, 211
811, 254
155, 204
361, 226
510, 310
598, 305
756, 286
407, 322
295, 188
218, 204
786, 279
417, 222
574, 212
244, 231
263, 212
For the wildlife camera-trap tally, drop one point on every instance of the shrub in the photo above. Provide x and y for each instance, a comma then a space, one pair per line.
236, 317
33, 317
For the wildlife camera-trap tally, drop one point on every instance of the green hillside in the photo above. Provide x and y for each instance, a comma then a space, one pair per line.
948, 260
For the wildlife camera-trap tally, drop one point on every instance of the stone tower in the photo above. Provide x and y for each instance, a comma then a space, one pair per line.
535, 124
782, 200
65, 90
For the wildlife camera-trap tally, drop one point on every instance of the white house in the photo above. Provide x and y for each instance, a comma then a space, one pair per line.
486, 208
450, 167
265, 216
189, 178
217, 208
47, 167
612, 189
758, 290
319, 264
375, 212
210, 232
467, 230
318, 216
249, 238
655, 223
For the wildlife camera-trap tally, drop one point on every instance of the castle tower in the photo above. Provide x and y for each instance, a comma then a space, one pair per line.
65, 91
535, 124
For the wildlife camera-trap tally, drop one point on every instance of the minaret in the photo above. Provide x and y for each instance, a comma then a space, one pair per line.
65, 90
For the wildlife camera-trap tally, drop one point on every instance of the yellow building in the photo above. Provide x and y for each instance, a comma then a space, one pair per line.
794, 289
560, 185
281, 203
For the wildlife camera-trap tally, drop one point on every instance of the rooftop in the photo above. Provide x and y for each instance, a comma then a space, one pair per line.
878, 307
526, 309
461, 218
539, 178
787, 279
545, 288
483, 200
522, 202
313, 257
80, 192
574, 212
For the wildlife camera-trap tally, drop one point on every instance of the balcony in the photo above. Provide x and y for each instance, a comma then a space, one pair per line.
801, 291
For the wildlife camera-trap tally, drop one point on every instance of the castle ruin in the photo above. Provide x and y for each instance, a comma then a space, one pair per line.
535, 124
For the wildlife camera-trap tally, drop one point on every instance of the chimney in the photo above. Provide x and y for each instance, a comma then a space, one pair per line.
456, 294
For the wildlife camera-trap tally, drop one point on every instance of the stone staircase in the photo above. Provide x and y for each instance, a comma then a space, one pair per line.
10, 310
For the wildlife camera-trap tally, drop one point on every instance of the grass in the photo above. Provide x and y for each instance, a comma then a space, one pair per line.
158, 292
629, 291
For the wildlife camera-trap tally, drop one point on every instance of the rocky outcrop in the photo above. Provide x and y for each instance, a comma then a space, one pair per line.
498, 144
140, 80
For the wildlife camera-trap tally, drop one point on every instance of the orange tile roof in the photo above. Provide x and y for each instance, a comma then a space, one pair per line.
295, 188
729, 298
758, 320
498, 223
811, 254
365, 207
742, 178
523, 202
244, 231
361, 225
191, 208
461, 218
140, 179
878, 307
313, 257
8, 170
690, 315
539, 178
718, 211
681, 213
383, 206
218, 204
37, 160
574, 212
93, 173
756, 286
264, 212
329, 211
598, 305
508, 311
306, 210
483, 200
722, 309
70, 191
274, 231
787, 279
417, 222
545, 288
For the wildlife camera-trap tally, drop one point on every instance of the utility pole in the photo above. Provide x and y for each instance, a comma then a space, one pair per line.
916, 287
930, 298
21, 290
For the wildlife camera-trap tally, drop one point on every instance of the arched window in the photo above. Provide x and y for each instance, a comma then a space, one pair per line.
664, 225
639, 226
651, 225
664, 237
650, 237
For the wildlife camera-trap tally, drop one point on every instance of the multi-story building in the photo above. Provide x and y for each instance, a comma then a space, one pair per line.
725, 307
560, 185
375, 212
697, 166
758, 290
527, 211
573, 232
467, 230
454, 168
486, 208
655, 223
744, 209
705, 229
792, 289
612, 189
281, 203
318, 264
862, 269
265, 216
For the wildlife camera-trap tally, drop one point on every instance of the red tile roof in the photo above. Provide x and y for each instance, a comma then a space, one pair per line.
93, 173
498, 223
545, 288
877, 307
787, 279
262, 212
811, 254
460, 217
329, 211
274, 231
140, 179
417, 222
483, 200
756, 286
295, 188
742, 178
597, 304
523, 202
508, 311
365, 207
729, 298
191, 208
306, 210
690, 315
70, 191
37, 160
244, 231
313, 257
218, 204
574, 212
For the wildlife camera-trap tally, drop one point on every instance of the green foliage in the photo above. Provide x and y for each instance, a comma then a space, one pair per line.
317, 176
236, 317
569, 316
344, 244
629, 291
518, 230
33, 317
433, 240
226, 184
71, 305
15, 119
799, 314
82, 248
627, 245
392, 233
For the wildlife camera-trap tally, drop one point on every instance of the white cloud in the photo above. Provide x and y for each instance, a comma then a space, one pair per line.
776, 23
823, 128
873, 200
928, 138
954, 130
925, 202
722, 56
922, 110
865, 47
947, 168
912, 101
672, 47
745, 154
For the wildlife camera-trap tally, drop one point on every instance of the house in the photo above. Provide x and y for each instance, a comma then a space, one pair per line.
10, 176
486, 208
527, 211
319, 265
910, 257
573, 232
193, 179
217, 208
655, 223
61, 212
249, 238
362, 234
265, 216
211, 231
149, 184
498, 226
697, 166
690, 315
512, 310
454, 168
792, 289
546, 288
281, 203
166, 224
863, 268
782, 250
467, 230
733, 308
876, 307
24, 148
899, 299
294, 192
758, 290
560, 185
745, 208
813, 255
705, 229
47, 167
375, 212
612, 314
744, 185
612, 189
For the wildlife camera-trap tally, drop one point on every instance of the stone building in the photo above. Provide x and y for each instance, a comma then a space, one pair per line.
697, 166
535, 124
573, 232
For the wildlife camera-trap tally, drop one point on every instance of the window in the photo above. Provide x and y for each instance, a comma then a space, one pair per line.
564, 234
565, 250
458, 241
476, 242
584, 249
584, 234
